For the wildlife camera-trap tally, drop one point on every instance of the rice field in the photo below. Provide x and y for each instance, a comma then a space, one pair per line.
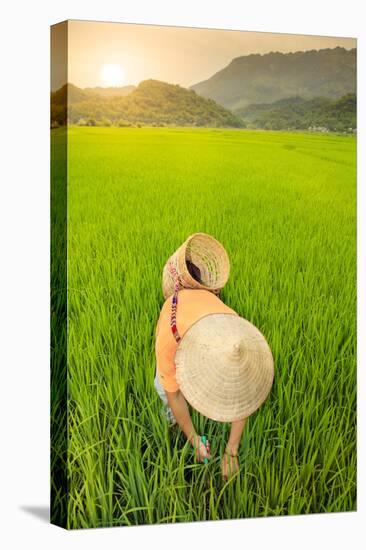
284, 207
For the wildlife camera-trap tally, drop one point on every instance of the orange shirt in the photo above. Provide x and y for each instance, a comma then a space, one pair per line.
192, 305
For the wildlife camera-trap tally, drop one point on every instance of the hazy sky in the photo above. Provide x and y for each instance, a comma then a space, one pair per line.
178, 55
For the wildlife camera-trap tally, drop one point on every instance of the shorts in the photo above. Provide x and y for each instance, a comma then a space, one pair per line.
167, 411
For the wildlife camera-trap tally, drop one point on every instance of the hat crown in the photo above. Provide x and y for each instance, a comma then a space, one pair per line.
224, 367
236, 351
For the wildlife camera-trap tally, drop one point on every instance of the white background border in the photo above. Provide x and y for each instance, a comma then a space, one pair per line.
24, 218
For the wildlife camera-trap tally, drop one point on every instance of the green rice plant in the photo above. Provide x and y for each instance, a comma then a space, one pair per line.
284, 207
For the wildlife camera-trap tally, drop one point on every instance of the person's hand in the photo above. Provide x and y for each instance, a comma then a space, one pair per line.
229, 465
202, 450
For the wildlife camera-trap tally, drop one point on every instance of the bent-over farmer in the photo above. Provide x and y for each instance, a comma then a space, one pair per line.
216, 361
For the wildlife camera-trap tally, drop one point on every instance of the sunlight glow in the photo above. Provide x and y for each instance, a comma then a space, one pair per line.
112, 75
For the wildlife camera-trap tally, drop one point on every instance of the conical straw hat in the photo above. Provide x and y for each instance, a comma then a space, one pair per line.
224, 367
209, 259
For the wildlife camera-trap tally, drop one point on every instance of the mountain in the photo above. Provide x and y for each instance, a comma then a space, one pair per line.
110, 92
298, 113
75, 94
151, 103
72, 93
267, 78
66, 94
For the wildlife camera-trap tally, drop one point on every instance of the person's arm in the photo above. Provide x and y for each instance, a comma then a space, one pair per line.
230, 461
236, 431
179, 406
180, 409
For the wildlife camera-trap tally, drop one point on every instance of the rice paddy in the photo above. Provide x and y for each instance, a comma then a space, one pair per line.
284, 207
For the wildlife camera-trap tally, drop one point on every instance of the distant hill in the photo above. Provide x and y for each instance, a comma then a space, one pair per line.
72, 93
256, 78
75, 94
151, 103
299, 113
68, 93
110, 92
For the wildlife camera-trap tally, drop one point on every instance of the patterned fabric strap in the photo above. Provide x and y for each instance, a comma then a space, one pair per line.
173, 318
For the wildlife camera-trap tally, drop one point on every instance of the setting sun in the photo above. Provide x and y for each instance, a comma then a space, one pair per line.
112, 75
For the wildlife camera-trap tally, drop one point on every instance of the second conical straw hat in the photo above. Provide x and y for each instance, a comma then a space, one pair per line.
224, 367
208, 255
